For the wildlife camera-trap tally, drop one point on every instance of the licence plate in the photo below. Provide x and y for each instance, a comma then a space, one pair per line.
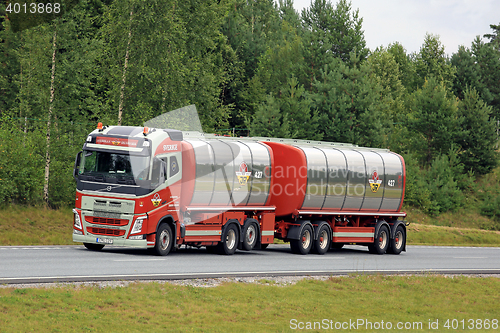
104, 240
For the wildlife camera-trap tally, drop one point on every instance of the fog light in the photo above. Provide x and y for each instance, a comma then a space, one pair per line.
77, 232
136, 237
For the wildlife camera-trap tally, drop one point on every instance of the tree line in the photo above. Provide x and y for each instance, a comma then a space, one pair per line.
251, 67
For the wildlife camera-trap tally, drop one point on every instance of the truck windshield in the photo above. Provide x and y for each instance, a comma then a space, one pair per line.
114, 167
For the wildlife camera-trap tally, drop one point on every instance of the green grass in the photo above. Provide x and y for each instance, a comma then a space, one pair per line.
35, 226
241, 307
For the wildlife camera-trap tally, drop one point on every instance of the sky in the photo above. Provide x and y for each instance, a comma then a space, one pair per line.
456, 22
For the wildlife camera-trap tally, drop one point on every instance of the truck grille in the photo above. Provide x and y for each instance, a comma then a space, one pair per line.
105, 232
105, 220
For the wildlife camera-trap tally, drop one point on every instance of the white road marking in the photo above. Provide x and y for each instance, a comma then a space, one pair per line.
470, 257
321, 258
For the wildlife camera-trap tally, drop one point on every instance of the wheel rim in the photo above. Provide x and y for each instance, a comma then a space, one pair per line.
250, 236
398, 239
230, 239
164, 239
306, 239
382, 240
323, 239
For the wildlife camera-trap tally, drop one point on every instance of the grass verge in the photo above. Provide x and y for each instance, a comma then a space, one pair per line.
239, 307
35, 226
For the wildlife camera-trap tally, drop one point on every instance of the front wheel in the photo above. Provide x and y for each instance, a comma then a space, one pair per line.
398, 243
164, 240
93, 247
229, 241
304, 244
381, 241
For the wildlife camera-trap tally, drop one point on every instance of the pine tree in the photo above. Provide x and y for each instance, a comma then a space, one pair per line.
434, 120
479, 137
349, 104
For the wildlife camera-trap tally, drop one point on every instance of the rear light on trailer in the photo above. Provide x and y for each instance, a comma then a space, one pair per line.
77, 223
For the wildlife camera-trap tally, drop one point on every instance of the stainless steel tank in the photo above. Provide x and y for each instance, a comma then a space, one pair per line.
230, 172
352, 179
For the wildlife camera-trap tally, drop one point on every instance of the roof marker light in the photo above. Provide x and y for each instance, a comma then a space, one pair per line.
99, 127
146, 131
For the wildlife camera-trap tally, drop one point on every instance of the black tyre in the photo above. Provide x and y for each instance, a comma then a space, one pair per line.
322, 244
381, 241
305, 242
229, 240
93, 247
164, 240
397, 244
250, 236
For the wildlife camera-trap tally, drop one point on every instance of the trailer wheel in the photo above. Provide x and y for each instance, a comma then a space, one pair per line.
381, 241
250, 233
304, 244
229, 240
93, 247
397, 244
164, 240
322, 244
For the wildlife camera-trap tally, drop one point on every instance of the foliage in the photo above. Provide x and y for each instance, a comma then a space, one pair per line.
285, 116
349, 104
478, 137
434, 119
21, 164
432, 61
257, 65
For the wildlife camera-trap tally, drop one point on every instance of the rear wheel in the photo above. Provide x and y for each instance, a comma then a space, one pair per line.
93, 247
229, 241
322, 244
398, 243
304, 244
381, 241
164, 240
250, 235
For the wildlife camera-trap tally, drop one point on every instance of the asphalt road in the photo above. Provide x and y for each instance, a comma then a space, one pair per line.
35, 264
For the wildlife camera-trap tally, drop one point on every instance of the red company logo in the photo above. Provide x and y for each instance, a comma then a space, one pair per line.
375, 182
156, 200
243, 174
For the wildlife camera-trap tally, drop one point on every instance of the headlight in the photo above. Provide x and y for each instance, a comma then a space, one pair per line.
138, 225
78, 223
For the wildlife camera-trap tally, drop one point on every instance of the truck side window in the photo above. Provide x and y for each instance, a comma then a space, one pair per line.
174, 166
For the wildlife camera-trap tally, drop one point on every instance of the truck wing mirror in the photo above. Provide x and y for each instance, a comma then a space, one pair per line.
76, 169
